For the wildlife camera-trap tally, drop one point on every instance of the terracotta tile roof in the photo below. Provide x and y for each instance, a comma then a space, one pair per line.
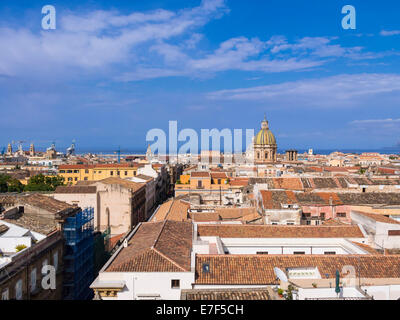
86, 182
226, 294
76, 189
134, 186
218, 175
144, 177
378, 217
234, 213
7, 199
258, 269
333, 222
226, 214
273, 199
174, 209
320, 183
97, 166
366, 247
75, 166
391, 198
279, 231
239, 181
205, 216
44, 202
114, 240
156, 247
288, 183
200, 174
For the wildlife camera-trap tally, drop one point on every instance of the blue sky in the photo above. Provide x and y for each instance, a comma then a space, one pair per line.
112, 70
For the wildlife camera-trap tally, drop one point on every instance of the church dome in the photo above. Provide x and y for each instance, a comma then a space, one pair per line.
265, 136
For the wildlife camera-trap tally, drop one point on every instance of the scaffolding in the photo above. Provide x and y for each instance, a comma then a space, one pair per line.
78, 257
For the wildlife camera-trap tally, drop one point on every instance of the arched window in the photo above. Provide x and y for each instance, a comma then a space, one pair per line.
266, 155
258, 155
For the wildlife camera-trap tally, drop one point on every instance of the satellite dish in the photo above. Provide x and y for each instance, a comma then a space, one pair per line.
280, 274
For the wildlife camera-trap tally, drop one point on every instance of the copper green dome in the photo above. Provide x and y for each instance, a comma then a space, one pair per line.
264, 136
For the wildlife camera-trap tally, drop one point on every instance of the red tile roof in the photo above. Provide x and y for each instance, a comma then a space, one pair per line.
156, 247
268, 231
258, 269
200, 174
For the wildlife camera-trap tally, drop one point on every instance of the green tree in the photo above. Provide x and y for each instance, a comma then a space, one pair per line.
4, 182
14, 185
43, 183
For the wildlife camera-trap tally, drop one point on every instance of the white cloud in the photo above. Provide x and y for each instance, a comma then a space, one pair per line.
376, 122
387, 33
155, 44
335, 91
98, 39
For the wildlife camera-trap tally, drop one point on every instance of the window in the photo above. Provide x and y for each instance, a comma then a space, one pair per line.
262, 252
322, 215
86, 171
299, 252
341, 214
33, 279
55, 260
118, 173
76, 171
86, 178
290, 223
111, 173
4, 295
126, 173
69, 171
316, 222
219, 181
62, 171
308, 222
329, 252
76, 179
199, 184
69, 179
18, 290
175, 284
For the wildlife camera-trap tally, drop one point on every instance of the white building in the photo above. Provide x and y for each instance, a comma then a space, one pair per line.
170, 259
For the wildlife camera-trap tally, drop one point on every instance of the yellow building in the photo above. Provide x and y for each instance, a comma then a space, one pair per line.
75, 173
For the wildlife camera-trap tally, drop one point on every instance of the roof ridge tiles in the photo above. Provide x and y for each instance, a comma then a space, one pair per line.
159, 234
169, 259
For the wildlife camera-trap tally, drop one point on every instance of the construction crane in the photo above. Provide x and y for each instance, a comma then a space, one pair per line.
118, 152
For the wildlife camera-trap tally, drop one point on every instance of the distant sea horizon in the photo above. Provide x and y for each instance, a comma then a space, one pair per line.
389, 150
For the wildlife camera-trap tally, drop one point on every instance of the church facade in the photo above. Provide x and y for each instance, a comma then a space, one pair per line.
264, 147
